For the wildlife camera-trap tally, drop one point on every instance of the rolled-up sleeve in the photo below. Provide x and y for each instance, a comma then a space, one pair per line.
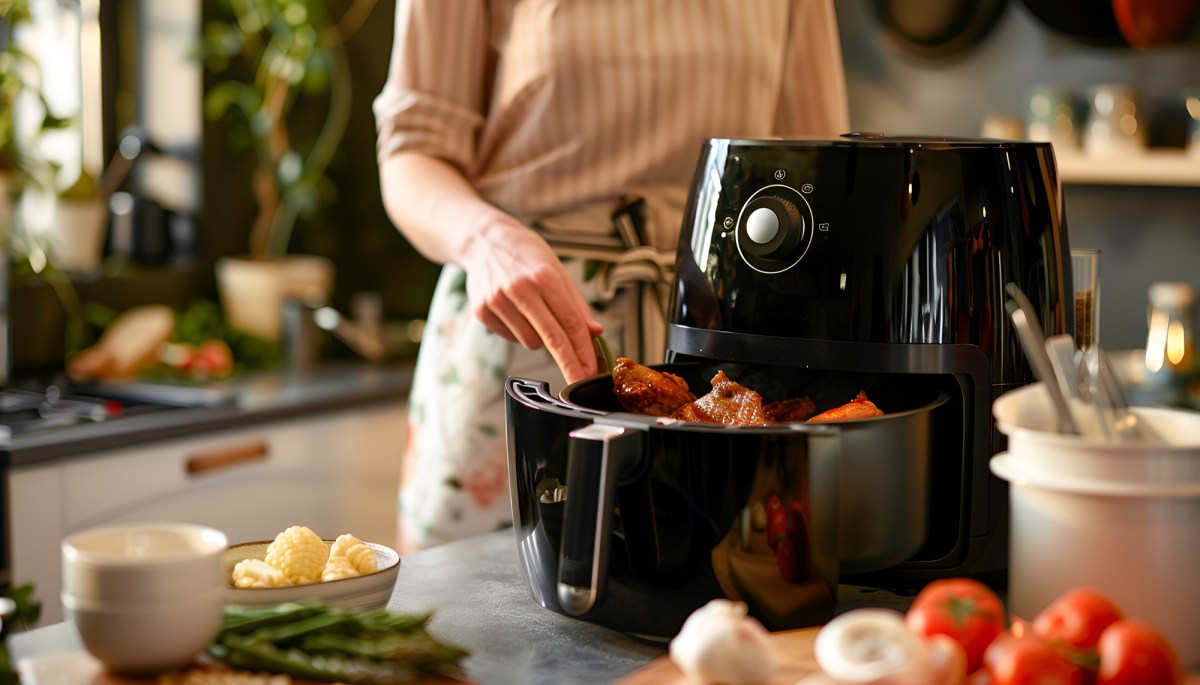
433, 100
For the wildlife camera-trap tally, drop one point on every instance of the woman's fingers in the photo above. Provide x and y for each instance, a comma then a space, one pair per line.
556, 333
545, 309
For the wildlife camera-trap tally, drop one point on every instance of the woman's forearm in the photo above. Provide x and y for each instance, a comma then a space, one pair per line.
435, 206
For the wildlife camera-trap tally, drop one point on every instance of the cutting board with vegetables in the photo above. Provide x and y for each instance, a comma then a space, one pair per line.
81, 668
793, 649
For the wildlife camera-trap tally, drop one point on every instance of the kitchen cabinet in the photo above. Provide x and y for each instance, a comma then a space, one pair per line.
335, 472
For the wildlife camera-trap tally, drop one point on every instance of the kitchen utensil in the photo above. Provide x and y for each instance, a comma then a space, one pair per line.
1061, 351
869, 273
1129, 425
1034, 345
144, 597
368, 591
1148, 24
1117, 421
941, 28
1132, 541
634, 521
1088, 21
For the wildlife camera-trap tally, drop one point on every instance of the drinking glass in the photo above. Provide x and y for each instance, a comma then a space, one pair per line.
1085, 270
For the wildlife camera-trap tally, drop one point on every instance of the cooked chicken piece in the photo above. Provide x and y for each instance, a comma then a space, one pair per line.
858, 408
793, 410
642, 390
728, 403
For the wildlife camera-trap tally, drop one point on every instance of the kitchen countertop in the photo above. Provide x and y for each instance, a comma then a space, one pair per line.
481, 603
255, 398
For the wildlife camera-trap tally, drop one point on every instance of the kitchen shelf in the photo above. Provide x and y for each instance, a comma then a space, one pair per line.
1151, 168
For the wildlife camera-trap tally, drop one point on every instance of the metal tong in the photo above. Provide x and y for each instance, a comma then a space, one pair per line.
1033, 341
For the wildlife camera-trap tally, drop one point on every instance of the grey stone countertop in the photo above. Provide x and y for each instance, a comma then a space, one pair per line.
159, 412
481, 603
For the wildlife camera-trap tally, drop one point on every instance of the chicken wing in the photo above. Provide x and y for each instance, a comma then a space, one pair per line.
792, 410
728, 403
858, 408
642, 390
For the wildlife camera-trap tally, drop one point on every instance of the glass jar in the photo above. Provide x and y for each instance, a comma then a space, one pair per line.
1171, 340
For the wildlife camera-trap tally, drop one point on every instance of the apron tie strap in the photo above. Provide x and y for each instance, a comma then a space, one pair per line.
624, 262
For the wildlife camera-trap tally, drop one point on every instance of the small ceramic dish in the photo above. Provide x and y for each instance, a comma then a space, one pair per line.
369, 591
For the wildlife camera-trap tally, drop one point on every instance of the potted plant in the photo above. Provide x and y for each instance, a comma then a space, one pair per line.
22, 167
291, 57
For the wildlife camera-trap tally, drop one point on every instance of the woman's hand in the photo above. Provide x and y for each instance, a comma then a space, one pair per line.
520, 290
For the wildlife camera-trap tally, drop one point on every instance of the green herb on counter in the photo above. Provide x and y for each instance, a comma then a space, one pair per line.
312, 640
18, 611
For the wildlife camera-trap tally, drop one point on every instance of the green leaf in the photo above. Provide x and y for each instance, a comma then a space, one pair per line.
227, 95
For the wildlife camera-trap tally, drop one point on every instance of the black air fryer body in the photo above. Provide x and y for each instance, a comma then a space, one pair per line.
882, 256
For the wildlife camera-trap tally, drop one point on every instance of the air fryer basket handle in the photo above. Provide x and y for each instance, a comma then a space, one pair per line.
595, 457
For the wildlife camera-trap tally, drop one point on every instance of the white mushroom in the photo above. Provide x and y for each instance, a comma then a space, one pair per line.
719, 643
874, 647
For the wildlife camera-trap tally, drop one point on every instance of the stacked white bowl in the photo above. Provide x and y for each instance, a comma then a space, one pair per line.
145, 597
1122, 517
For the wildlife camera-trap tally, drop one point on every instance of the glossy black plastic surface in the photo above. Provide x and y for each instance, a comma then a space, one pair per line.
683, 528
911, 242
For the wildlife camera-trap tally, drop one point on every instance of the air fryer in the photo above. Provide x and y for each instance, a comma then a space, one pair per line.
888, 257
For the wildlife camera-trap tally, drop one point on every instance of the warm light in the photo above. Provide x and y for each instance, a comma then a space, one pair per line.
1156, 341
842, 282
1176, 343
1128, 124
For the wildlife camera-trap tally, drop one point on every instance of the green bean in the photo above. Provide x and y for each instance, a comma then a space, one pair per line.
263, 656
242, 619
315, 641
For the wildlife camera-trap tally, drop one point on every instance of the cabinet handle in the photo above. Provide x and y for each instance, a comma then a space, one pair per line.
226, 457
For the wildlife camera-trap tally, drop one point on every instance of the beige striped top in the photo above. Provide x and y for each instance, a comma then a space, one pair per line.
551, 107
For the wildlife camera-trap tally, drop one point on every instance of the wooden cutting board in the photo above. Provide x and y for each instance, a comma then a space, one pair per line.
793, 648
81, 668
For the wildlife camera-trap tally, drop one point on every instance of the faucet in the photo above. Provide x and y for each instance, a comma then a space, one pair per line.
302, 321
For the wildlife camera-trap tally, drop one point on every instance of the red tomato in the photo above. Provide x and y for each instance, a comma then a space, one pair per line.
1029, 660
1076, 618
1134, 653
212, 359
960, 608
785, 559
777, 522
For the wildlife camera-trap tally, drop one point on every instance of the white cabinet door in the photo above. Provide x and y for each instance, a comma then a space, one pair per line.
335, 473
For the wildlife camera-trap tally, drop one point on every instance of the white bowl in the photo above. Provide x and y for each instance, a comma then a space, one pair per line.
368, 591
1026, 416
142, 639
1134, 541
143, 562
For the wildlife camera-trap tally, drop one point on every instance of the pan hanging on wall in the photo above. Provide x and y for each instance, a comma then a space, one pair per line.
938, 28
1141, 24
